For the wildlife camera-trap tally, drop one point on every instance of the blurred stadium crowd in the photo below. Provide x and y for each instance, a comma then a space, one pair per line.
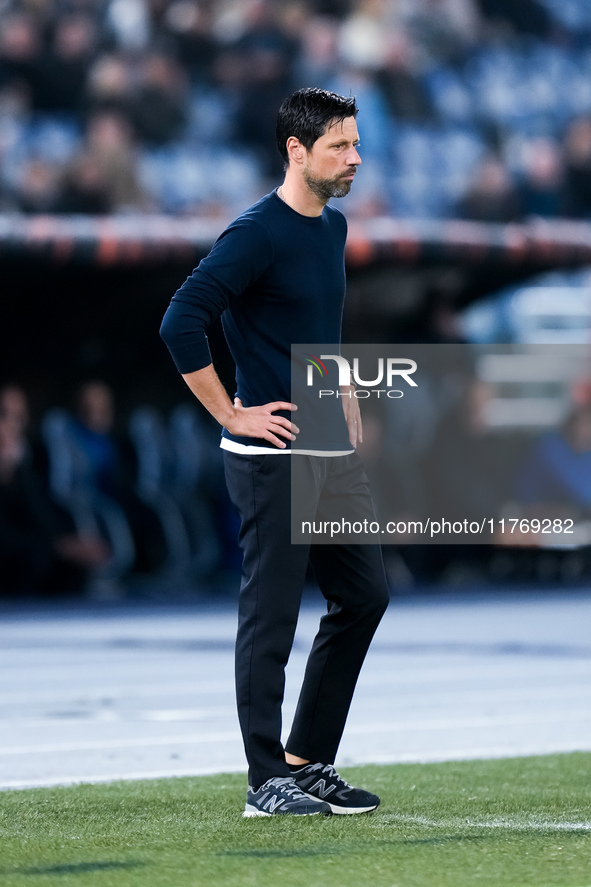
90, 502
473, 108
113, 506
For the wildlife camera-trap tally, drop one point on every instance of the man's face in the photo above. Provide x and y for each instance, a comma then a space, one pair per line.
332, 160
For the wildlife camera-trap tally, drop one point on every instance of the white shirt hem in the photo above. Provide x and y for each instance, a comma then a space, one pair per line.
235, 447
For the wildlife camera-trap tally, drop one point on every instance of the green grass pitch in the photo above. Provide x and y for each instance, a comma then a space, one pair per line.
520, 822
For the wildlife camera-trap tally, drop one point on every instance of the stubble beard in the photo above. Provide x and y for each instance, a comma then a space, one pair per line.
326, 188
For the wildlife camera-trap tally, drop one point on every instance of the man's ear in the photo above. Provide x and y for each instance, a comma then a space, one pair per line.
295, 150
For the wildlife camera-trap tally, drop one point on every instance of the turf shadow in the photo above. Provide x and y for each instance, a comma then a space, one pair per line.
78, 868
340, 849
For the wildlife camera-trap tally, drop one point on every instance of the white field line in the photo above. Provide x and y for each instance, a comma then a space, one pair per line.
449, 824
526, 823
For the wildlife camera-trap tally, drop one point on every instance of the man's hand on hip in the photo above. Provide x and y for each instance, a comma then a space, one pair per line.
242, 421
262, 422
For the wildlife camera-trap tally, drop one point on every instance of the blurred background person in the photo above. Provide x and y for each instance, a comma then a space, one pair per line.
84, 188
38, 187
555, 477
109, 83
20, 47
403, 88
524, 17
541, 190
110, 471
40, 550
553, 483
158, 109
261, 60
465, 472
577, 158
445, 29
188, 24
63, 65
110, 141
492, 196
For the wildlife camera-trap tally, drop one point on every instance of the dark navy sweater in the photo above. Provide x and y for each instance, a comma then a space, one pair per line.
277, 278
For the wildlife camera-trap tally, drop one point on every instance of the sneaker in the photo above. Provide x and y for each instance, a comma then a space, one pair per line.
322, 781
281, 795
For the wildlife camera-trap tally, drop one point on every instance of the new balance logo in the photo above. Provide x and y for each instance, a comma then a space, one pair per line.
273, 803
321, 789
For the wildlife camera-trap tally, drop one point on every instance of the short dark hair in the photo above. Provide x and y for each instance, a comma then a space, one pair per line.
307, 113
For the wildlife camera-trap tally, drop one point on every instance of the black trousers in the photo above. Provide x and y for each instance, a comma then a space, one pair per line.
351, 578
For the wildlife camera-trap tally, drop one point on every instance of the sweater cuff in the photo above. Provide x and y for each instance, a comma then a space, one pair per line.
190, 358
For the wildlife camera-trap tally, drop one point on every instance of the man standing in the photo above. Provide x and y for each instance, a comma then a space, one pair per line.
276, 275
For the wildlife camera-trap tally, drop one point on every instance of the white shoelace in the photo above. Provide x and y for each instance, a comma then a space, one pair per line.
287, 786
330, 771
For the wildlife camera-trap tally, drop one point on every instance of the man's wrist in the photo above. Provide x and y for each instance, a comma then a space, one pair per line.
228, 420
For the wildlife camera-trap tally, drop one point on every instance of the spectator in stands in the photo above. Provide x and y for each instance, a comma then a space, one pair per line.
264, 55
63, 68
129, 24
37, 187
523, 17
95, 418
158, 108
20, 46
577, 154
40, 551
112, 469
553, 483
110, 142
465, 481
15, 101
317, 61
85, 187
445, 29
465, 474
364, 35
15, 109
542, 188
109, 86
436, 319
189, 24
556, 475
492, 196
398, 79
163, 67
